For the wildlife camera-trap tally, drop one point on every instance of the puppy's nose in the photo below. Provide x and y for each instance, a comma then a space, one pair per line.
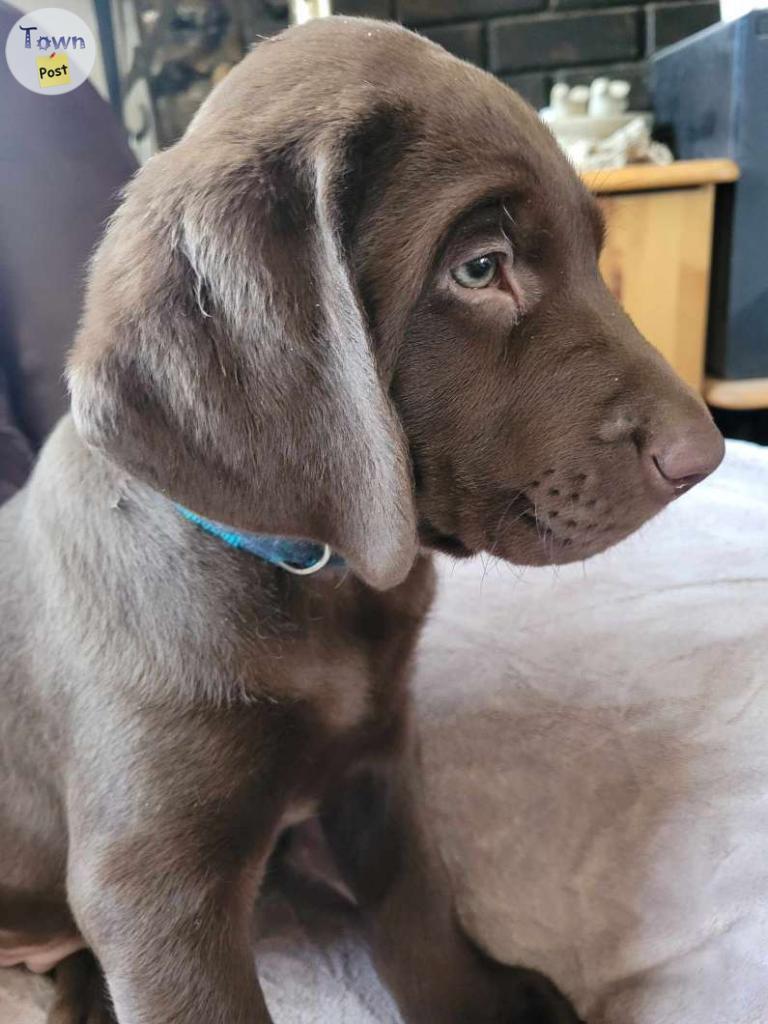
679, 459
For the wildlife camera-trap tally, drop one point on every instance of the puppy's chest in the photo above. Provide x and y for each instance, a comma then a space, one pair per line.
343, 659
339, 682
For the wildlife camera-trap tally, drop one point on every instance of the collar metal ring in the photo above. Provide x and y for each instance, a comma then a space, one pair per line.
308, 570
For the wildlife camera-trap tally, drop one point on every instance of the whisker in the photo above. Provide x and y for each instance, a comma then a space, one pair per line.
502, 517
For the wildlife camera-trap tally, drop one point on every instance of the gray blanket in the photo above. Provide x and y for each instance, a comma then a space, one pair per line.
596, 743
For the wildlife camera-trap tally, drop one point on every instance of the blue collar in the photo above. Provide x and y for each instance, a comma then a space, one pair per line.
300, 557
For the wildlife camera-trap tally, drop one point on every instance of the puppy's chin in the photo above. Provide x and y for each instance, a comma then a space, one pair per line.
528, 543
535, 544
548, 550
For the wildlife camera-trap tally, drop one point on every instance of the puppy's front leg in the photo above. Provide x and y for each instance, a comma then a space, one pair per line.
387, 855
171, 822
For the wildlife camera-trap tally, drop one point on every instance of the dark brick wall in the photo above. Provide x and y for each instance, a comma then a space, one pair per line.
533, 43
530, 44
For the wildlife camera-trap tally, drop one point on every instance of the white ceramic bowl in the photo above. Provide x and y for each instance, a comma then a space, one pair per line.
575, 128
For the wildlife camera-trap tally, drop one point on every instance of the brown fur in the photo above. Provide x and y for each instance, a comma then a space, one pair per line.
274, 337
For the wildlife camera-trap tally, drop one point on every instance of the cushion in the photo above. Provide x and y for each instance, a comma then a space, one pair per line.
58, 185
16, 456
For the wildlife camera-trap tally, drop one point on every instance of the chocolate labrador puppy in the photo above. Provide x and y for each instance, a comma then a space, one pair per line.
358, 304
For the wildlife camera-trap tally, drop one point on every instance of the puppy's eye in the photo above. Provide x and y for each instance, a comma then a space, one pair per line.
477, 273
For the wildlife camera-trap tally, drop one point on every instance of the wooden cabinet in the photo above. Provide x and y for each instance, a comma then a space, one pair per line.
658, 251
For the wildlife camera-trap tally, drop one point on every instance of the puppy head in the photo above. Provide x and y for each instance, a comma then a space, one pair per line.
359, 303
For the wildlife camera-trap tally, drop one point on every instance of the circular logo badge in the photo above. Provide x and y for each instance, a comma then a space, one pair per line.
50, 51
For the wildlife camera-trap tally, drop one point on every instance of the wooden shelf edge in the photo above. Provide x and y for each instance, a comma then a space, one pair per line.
642, 177
737, 394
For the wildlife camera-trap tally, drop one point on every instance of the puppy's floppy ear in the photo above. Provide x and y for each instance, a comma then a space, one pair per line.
224, 357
